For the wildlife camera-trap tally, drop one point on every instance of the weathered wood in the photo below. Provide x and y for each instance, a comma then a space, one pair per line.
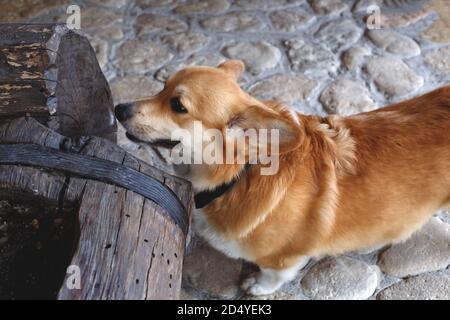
13, 34
25, 97
24, 62
51, 73
97, 169
128, 247
30, 180
85, 105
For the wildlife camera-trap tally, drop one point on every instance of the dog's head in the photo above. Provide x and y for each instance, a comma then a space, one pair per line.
209, 96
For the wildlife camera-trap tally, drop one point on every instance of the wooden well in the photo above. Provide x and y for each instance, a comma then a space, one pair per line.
57, 143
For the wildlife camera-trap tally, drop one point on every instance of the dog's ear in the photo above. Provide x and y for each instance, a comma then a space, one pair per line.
288, 134
233, 68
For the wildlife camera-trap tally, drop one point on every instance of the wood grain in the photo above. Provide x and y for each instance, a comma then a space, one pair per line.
52, 73
128, 247
97, 169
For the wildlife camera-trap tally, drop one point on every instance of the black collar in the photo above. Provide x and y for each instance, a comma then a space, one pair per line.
204, 198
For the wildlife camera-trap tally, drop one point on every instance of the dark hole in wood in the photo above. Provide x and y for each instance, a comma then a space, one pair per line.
170, 285
108, 246
168, 261
37, 242
127, 215
115, 191
162, 254
137, 281
176, 256
145, 240
153, 255
170, 276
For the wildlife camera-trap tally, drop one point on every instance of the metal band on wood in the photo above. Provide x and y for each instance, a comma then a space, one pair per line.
97, 169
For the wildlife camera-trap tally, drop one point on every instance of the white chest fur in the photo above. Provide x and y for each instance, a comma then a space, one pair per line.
202, 227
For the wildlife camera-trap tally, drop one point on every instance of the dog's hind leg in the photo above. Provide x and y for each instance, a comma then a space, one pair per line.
269, 280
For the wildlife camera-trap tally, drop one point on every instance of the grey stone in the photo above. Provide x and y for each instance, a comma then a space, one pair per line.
328, 6
136, 56
203, 6
422, 287
101, 22
207, 59
354, 57
444, 215
131, 88
339, 34
144, 4
23, 10
257, 56
235, 21
94, 17
186, 295
305, 56
57, 16
394, 42
156, 23
109, 33
439, 31
264, 4
404, 18
284, 88
439, 60
186, 43
290, 20
211, 271
341, 278
101, 51
362, 5
346, 97
117, 4
427, 250
278, 295
393, 76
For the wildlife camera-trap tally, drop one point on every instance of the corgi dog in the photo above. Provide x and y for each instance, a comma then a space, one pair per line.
342, 183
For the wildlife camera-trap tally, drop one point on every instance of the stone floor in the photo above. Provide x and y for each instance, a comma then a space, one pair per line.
319, 57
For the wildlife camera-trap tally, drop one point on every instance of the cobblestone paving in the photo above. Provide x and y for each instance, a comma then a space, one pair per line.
319, 57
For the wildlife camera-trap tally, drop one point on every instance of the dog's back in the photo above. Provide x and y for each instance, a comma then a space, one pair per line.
402, 171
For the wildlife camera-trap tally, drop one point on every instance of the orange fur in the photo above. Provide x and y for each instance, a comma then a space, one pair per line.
347, 183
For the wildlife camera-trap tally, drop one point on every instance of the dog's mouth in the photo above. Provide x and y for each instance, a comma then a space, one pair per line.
165, 143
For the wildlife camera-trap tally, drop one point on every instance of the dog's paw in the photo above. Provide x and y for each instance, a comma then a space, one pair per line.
248, 282
260, 290
251, 286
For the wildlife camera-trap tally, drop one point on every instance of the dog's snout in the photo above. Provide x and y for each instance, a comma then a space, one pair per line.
124, 111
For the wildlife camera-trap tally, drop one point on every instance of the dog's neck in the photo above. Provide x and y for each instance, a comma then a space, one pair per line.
206, 177
204, 198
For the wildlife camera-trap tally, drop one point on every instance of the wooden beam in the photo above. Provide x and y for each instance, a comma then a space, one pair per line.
52, 73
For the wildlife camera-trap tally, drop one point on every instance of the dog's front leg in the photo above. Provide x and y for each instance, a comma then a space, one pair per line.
268, 280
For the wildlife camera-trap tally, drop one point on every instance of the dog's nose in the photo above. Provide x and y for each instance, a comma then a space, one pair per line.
123, 111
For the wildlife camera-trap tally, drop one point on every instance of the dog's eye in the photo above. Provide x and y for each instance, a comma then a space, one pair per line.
177, 106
